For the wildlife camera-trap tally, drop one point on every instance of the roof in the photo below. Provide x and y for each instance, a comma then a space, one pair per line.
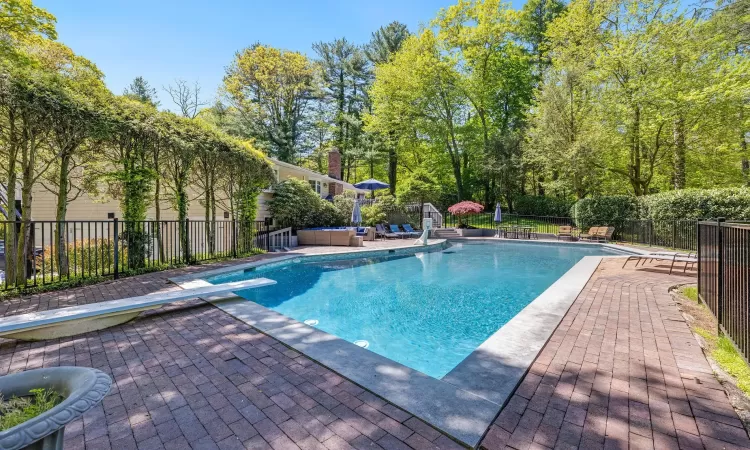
346, 185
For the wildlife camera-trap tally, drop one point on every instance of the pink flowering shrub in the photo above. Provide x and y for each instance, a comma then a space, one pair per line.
465, 208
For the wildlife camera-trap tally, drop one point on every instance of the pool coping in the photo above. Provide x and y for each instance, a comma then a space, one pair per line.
464, 402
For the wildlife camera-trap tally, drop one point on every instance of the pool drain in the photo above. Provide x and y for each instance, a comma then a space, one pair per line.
311, 322
362, 343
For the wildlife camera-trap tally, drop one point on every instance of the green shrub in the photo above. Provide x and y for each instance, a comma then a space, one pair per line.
599, 211
730, 203
531, 205
373, 214
295, 204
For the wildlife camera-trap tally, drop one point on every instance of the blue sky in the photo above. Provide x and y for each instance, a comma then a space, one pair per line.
195, 40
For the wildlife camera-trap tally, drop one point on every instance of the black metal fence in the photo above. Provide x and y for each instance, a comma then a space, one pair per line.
679, 234
63, 251
724, 277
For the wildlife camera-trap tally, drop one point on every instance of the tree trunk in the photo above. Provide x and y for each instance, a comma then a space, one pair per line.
61, 253
28, 160
678, 157
392, 168
635, 153
11, 237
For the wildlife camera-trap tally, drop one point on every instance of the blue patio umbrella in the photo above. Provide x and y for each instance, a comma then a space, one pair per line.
356, 213
372, 185
498, 213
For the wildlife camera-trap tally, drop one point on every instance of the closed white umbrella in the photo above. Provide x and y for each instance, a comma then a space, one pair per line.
498, 218
356, 214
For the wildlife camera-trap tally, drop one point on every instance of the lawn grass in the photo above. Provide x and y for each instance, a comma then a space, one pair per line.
719, 347
18, 410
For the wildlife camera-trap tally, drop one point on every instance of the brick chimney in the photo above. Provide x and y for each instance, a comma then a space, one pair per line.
334, 164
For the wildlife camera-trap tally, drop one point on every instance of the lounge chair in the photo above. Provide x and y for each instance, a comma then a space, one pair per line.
407, 227
380, 231
592, 234
565, 232
397, 231
688, 258
605, 234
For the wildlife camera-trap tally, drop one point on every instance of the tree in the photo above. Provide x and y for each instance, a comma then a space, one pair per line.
139, 90
385, 42
271, 89
22, 23
419, 188
536, 15
187, 98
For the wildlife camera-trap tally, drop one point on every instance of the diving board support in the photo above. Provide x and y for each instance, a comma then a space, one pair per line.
75, 320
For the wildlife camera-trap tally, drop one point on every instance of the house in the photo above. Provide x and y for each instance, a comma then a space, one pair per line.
90, 208
85, 209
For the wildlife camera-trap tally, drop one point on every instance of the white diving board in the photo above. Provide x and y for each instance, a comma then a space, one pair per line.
74, 320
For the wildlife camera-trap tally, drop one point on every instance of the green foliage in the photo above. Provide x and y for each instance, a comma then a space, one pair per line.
295, 204
730, 203
419, 188
373, 214
272, 88
542, 206
686, 204
600, 211
18, 410
85, 256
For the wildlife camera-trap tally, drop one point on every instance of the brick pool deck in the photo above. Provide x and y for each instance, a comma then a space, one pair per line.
622, 370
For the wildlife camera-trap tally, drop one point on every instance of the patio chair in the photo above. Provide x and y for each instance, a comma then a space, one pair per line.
565, 232
591, 235
688, 258
380, 231
407, 227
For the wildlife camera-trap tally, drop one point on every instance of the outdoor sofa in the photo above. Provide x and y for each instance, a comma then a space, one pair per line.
340, 236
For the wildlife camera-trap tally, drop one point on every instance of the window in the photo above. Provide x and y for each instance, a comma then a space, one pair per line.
315, 185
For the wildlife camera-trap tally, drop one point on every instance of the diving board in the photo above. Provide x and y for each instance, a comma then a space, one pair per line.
74, 320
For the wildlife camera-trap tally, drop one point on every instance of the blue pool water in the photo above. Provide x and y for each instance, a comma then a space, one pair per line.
427, 311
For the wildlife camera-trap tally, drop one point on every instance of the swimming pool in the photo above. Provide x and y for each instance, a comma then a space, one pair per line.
427, 311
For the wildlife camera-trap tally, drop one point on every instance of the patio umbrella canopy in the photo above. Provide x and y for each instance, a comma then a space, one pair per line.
356, 213
372, 185
498, 213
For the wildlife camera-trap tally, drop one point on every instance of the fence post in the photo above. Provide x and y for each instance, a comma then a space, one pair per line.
720, 274
187, 241
267, 223
674, 234
234, 238
116, 238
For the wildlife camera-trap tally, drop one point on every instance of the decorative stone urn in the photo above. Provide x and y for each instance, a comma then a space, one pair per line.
82, 388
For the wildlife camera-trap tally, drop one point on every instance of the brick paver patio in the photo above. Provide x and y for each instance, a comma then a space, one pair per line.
621, 370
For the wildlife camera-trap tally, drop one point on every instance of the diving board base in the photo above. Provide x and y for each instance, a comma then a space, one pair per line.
74, 320
75, 327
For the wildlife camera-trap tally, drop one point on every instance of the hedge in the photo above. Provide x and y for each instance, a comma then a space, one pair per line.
691, 204
610, 210
531, 205
730, 203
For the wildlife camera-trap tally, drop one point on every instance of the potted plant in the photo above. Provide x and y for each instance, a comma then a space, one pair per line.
461, 210
67, 392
